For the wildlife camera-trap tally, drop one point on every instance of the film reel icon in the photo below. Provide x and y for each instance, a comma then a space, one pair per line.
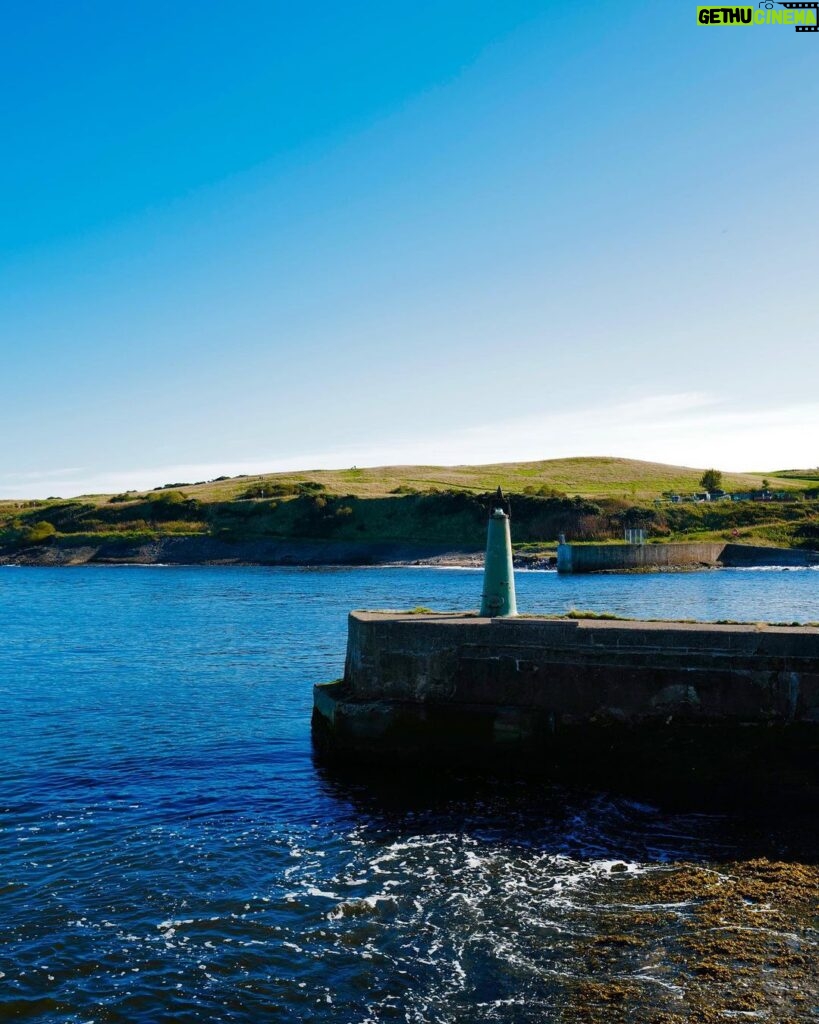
798, 5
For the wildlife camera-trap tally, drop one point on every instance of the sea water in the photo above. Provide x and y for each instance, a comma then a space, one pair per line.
170, 849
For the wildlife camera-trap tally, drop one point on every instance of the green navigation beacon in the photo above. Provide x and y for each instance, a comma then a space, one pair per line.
498, 575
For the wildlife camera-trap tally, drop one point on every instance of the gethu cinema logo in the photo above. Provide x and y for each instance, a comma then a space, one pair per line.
803, 16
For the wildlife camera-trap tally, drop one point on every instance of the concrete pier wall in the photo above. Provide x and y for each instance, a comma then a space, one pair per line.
587, 695
748, 555
579, 558
614, 557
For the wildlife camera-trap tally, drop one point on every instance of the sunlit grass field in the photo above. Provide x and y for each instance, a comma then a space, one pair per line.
593, 477
588, 499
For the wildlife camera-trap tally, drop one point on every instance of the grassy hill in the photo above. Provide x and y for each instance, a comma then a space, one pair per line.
587, 498
593, 477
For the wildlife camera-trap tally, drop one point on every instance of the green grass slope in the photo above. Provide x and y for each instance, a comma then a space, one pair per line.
592, 477
589, 499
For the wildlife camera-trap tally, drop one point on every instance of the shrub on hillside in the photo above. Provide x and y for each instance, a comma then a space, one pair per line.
543, 491
132, 526
170, 498
536, 518
266, 489
451, 502
40, 532
320, 515
808, 534
635, 516
173, 505
65, 516
262, 490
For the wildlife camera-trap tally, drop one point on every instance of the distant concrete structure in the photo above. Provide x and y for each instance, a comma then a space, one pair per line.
580, 558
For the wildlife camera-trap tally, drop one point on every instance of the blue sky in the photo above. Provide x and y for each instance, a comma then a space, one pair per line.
257, 236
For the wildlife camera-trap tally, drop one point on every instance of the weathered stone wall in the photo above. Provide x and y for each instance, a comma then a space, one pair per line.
576, 558
582, 668
596, 696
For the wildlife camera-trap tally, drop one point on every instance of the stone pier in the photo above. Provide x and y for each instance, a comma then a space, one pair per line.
583, 699
581, 558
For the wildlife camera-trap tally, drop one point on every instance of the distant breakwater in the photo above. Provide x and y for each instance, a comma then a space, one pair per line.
583, 558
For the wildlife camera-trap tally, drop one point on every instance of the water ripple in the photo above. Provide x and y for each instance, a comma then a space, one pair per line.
170, 851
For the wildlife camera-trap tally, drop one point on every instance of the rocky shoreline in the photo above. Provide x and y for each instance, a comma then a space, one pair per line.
210, 551
204, 550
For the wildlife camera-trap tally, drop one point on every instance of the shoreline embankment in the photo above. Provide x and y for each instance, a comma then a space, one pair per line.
202, 550
211, 551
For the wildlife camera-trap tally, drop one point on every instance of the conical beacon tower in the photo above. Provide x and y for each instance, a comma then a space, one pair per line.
498, 576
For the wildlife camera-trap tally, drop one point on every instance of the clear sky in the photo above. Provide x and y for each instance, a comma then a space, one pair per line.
250, 236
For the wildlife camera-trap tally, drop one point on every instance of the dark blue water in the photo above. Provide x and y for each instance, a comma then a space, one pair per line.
171, 851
